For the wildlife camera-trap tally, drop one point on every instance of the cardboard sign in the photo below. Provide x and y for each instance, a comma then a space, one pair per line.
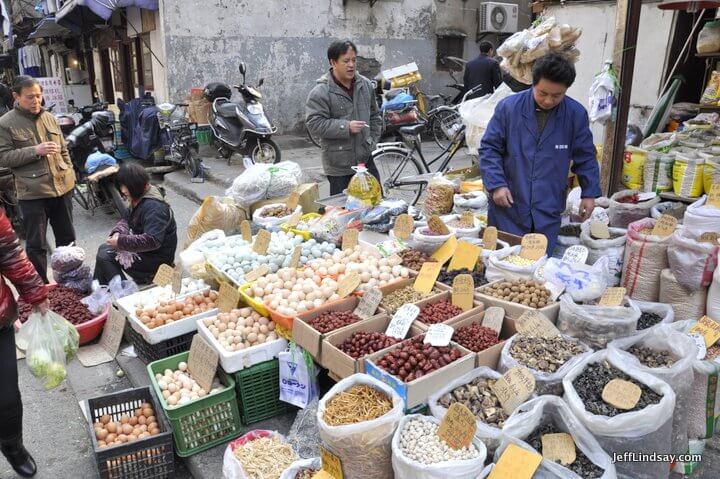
256, 273
228, 297
463, 291
294, 219
426, 277
348, 284
401, 321
164, 275
445, 252
514, 388
262, 241
494, 318
246, 231
458, 426
293, 200
331, 464
648, 195
176, 284
106, 349
202, 362
438, 335
437, 225
559, 447
536, 324
403, 227
295, 258
533, 246
599, 230
369, 303
516, 463
713, 196
490, 238
613, 297
621, 394
709, 237
350, 239
665, 226
467, 219
466, 256
708, 328
576, 254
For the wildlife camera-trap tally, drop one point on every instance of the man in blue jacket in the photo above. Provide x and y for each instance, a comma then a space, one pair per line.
527, 149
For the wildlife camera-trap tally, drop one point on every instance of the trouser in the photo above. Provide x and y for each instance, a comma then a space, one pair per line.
142, 271
10, 405
339, 183
36, 214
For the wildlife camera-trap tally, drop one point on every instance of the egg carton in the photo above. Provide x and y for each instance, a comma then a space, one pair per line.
151, 297
233, 361
169, 331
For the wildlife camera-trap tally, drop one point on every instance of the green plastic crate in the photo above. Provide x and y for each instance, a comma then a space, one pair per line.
258, 392
204, 423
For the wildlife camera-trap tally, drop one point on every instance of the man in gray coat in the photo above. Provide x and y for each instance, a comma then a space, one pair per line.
342, 111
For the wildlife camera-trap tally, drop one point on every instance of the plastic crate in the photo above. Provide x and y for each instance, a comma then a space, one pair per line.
147, 458
258, 392
204, 423
148, 353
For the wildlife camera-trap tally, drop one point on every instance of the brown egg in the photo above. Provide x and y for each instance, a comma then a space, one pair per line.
143, 435
142, 420
111, 427
187, 310
124, 419
133, 421
177, 315
152, 425
143, 427
127, 429
150, 420
101, 434
102, 444
111, 438
137, 431
154, 431
132, 437
122, 438
105, 418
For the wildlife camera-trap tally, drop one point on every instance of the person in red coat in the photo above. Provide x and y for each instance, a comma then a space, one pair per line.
16, 268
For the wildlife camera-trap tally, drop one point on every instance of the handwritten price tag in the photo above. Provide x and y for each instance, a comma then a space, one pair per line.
533, 246
665, 226
350, 239
494, 318
438, 335
369, 303
559, 447
403, 227
245, 230
463, 289
576, 254
534, 323
228, 297
164, 275
621, 394
295, 258
708, 328
516, 463
113, 332
713, 196
599, 230
426, 277
348, 284
514, 388
256, 273
293, 200
262, 241
490, 238
401, 321
202, 362
613, 297
458, 426
294, 219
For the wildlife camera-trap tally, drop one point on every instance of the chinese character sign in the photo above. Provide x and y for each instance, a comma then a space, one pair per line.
53, 93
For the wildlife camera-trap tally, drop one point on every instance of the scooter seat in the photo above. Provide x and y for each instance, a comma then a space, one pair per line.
227, 109
413, 130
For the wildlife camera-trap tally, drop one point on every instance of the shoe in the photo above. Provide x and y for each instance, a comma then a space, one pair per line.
20, 460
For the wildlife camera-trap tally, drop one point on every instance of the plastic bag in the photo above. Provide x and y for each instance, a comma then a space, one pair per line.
552, 410
119, 288
364, 448
569, 236
710, 93
597, 325
215, 213
333, 223
474, 201
98, 300
713, 296
296, 467
428, 243
708, 40
633, 165
439, 197
45, 353
691, 261
711, 173
622, 214
645, 258
384, 212
613, 249
497, 269
79, 279
476, 114
581, 281
66, 332
406, 468
700, 219
672, 208
687, 175
272, 223
545, 383
646, 431
363, 188
678, 376
658, 172
602, 94
232, 467
261, 181
460, 231
304, 435
685, 304
298, 377
67, 258
663, 310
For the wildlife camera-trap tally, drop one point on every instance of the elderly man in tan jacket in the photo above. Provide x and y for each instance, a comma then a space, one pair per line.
32, 145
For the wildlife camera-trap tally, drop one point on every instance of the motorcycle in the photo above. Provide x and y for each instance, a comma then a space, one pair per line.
77, 116
181, 146
241, 127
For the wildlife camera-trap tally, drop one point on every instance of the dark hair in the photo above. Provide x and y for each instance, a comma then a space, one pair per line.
134, 178
24, 81
485, 46
340, 47
555, 68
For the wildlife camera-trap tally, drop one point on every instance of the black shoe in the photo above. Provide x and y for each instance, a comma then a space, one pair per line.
20, 460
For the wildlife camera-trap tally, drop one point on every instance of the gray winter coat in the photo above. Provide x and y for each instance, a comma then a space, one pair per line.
328, 113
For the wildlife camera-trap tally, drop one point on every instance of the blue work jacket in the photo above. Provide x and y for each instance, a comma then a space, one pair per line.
535, 167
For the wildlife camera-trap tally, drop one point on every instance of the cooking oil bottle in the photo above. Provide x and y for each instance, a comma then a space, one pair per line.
364, 186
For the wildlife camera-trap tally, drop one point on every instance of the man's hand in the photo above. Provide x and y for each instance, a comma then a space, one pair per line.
43, 307
112, 241
587, 205
357, 126
47, 148
502, 197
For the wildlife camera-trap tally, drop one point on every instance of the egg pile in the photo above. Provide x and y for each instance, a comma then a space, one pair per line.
138, 424
241, 328
374, 271
169, 312
152, 297
291, 291
179, 388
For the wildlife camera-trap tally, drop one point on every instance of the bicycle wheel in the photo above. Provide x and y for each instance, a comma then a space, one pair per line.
440, 126
394, 165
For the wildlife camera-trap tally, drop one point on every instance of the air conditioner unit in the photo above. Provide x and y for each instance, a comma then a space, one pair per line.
498, 17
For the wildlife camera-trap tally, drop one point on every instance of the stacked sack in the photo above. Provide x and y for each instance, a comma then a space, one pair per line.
645, 258
67, 263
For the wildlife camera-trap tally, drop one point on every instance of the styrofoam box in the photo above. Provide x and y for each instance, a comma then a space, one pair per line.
237, 360
127, 304
169, 331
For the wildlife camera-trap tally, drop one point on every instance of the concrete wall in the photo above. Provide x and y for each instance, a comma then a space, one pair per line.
286, 42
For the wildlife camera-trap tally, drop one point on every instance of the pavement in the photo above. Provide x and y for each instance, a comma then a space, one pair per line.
55, 429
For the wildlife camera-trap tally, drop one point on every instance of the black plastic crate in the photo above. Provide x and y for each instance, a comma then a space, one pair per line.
258, 392
148, 353
149, 458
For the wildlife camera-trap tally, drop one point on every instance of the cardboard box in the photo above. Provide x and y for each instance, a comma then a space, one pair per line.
416, 393
309, 192
394, 286
447, 296
489, 357
515, 310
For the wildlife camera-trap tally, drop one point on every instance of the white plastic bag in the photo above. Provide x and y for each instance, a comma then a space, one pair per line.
476, 115
663, 310
691, 261
261, 181
406, 468
461, 232
686, 304
679, 376
552, 409
428, 243
622, 214
646, 431
602, 94
545, 383
272, 223
700, 218
597, 325
297, 466
232, 467
612, 249
713, 297
298, 377
645, 258
564, 241
364, 448
475, 201
583, 282
497, 269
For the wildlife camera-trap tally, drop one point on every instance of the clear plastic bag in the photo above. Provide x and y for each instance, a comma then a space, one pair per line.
691, 261
272, 223
497, 269
583, 282
312, 463
406, 468
645, 258
597, 325
439, 197
679, 376
67, 258
364, 448
612, 249
553, 410
232, 467
98, 300
663, 310
333, 223
66, 333
119, 288
304, 435
45, 353
622, 214
384, 212
215, 213
261, 182
602, 94
79, 279
646, 431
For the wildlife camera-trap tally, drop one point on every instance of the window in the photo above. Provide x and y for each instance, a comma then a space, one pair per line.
147, 58
448, 46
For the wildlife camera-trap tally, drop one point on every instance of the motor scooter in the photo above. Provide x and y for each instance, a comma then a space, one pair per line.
241, 127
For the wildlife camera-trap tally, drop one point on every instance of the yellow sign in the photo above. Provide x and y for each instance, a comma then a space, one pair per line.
426, 277
331, 463
533, 246
516, 463
446, 251
709, 328
463, 291
458, 426
621, 394
466, 255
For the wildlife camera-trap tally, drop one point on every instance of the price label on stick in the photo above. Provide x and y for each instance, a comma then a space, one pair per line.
176, 283
713, 196
576, 254
490, 238
426, 277
294, 219
467, 219
403, 227
368, 304
708, 328
533, 246
202, 362
348, 284
621, 394
534, 323
514, 388
262, 241
331, 464
438, 335
256, 273
493, 318
458, 426
295, 258
446, 251
437, 225
599, 230
106, 349
463, 289
228, 297
293, 200
665, 226
466, 256
612, 297
164, 275
559, 447
246, 231
516, 463
401, 321
350, 239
